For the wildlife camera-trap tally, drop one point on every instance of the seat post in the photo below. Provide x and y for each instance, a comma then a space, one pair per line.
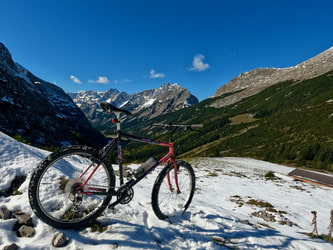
118, 120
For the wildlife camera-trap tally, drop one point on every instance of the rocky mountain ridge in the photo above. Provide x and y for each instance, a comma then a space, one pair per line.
39, 112
145, 105
254, 81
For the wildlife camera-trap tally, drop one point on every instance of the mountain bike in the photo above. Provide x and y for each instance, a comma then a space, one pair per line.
70, 188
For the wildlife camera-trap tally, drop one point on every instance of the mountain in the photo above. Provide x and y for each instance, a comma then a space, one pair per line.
144, 105
89, 103
289, 122
37, 111
254, 81
263, 116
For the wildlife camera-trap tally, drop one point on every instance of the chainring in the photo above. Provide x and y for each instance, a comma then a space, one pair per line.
125, 194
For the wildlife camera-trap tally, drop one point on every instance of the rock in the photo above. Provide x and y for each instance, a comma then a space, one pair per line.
26, 231
23, 225
60, 240
5, 214
247, 222
23, 218
13, 246
264, 215
115, 246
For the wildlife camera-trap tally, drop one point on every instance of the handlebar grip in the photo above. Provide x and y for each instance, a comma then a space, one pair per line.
159, 124
180, 126
196, 125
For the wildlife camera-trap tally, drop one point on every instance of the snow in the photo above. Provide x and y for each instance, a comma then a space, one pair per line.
220, 210
7, 99
148, 102
21, 73
123, 104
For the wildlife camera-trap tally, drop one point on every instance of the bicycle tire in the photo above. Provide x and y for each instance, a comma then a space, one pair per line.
165, 200
53, 181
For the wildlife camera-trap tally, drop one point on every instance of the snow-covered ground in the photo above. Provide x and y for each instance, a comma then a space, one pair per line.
223, 215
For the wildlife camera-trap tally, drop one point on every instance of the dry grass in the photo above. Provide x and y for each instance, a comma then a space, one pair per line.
243, 118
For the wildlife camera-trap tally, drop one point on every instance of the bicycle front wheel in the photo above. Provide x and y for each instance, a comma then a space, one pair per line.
55, 190
167, 201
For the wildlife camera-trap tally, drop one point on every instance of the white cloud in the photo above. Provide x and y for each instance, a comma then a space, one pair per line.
126, 80
75, 79
100, 79
122, 81
198, 64
153, 74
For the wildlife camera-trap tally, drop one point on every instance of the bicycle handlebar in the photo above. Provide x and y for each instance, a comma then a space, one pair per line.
110, 109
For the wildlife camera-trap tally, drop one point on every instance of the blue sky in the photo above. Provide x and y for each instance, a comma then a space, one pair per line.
134, 45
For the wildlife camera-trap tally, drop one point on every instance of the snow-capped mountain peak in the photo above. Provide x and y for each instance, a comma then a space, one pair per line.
146, 104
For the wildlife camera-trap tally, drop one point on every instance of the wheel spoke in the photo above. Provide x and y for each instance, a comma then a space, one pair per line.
56, 192
168, 202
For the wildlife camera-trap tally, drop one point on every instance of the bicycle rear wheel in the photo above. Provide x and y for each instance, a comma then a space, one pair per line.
166, 201
55, 192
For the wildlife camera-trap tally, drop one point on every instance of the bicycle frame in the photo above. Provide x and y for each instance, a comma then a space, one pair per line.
169, 157
117, 142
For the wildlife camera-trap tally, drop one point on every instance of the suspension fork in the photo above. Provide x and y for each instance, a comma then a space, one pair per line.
175, 168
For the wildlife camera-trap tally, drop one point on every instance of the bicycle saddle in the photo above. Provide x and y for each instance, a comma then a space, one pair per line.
110, 108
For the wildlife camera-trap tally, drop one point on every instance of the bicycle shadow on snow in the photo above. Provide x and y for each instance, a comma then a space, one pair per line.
123, 233
182, 230
120, 233
236, 233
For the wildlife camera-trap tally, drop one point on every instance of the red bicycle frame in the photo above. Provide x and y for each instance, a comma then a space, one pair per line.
168, 158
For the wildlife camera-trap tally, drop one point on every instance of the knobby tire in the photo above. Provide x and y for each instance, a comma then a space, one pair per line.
56, 178
166, 202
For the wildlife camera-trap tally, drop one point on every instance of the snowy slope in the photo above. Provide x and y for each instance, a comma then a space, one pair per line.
219, 210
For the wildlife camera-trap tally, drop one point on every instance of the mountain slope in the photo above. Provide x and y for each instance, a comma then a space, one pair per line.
144, 105
289, 122
254, 81
89, 103
37, 111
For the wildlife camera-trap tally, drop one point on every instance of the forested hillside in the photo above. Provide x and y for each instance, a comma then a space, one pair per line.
290, 122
